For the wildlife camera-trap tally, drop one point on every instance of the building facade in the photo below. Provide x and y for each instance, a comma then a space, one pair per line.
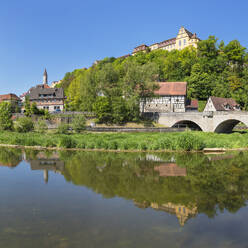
13, 99
170, 97
221, 104
183, 39
45, 97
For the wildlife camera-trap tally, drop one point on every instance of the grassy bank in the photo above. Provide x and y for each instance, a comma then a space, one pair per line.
129, 141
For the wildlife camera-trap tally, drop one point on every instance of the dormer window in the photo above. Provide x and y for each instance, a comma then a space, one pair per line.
227, 106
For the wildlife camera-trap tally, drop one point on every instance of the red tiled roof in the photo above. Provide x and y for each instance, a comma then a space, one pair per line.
172, 89
220, 102
192, 104
9, 97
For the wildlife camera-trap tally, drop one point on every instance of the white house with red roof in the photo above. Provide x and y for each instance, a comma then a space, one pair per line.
170, 97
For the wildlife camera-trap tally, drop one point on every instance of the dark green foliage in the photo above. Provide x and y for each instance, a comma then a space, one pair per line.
66, 142
24, 125
102, 109
63, 128
5, 116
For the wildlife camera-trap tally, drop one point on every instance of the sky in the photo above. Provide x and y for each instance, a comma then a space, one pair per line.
62, 35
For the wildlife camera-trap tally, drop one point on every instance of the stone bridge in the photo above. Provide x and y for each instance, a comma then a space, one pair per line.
219, 122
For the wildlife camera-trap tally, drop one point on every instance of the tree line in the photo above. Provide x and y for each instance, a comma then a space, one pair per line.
113, 87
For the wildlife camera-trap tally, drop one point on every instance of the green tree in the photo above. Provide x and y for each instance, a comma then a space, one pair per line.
78, 123
102, 109
6, 122
27, 107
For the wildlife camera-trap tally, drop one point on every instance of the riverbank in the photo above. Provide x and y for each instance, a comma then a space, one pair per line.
183, 141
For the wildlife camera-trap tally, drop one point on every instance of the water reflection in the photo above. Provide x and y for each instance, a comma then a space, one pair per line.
181, 184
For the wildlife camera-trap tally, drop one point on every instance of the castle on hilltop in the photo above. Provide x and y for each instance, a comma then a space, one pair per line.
183, 39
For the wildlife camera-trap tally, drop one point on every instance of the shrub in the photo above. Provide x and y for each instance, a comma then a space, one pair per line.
113, 145
155, 146
63, 128
125, 145
166, 143
90, 145
66, 142
81, 144
50, 143
190, 142
99, 144
41, 126
143, 146
24, 125
78, 123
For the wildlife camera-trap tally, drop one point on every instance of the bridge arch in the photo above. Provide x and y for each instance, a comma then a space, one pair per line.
187, 124
227, 126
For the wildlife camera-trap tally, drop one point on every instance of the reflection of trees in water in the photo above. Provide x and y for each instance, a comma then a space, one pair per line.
180, 183
10, 157
210, 185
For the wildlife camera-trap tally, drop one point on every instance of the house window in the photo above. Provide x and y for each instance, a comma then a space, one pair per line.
180, 43
184, 41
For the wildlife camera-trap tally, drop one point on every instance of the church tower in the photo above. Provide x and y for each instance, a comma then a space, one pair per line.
45, 77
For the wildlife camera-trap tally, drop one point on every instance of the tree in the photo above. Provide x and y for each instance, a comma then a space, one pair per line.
27, 107
6, 122
102, 109
119, 110
33, 109
78, 123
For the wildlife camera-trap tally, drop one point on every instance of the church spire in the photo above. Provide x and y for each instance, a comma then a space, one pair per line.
45, 77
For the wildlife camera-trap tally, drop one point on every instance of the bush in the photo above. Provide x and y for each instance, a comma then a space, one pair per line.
99, 144
41, 126
90, 145
166, 143
78, 123
63, 128
190, 142
24, 125
81, 144
143, 146
113, 145
50, 143
66, 142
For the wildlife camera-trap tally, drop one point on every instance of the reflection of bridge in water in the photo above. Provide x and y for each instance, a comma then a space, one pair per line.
219, 122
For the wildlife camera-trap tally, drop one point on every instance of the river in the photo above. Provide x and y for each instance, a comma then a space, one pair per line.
138, 200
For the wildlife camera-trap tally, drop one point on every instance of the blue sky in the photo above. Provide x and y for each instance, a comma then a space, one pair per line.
64, 35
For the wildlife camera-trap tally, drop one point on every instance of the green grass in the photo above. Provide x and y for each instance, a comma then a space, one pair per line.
186, 141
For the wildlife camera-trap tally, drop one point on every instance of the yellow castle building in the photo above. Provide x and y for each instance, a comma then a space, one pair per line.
183, 39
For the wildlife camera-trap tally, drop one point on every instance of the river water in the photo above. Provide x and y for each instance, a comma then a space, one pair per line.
100, 199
